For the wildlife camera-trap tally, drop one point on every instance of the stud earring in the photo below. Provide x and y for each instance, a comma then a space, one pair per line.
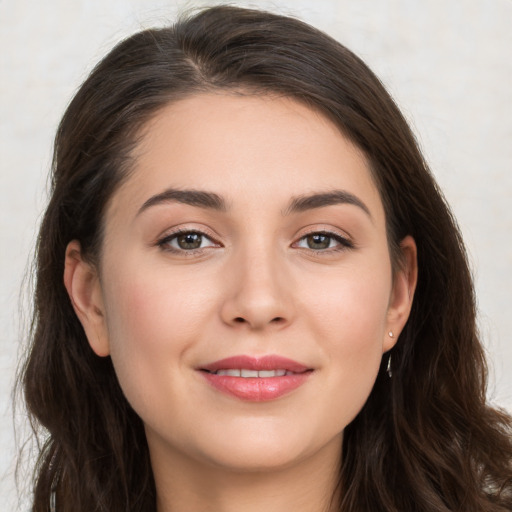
388, 369
390, 334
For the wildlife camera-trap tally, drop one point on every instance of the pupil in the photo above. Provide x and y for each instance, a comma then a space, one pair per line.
318, 241
189, 241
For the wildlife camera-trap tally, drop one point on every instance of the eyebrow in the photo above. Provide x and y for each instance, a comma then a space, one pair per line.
199, 198
322, 199
212, 201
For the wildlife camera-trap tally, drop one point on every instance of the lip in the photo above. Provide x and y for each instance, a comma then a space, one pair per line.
256, 389
269, 362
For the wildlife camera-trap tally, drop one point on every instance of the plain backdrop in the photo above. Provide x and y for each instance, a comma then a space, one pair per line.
447, 63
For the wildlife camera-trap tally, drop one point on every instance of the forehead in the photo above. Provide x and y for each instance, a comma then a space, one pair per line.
262, 147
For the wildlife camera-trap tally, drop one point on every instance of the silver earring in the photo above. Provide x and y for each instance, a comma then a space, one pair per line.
388, 369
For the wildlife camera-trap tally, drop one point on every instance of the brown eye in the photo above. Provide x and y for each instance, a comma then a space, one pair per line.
318, 241
186, 241
189, 241
324, 241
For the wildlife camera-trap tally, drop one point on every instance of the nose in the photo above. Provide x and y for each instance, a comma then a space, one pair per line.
259, 293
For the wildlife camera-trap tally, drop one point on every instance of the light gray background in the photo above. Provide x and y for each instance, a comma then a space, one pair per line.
447, 62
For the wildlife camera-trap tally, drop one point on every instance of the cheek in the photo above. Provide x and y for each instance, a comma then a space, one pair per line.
150, 306
349, 319
153, 321
351, 305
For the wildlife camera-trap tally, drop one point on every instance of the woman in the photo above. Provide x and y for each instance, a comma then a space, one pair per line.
250, 292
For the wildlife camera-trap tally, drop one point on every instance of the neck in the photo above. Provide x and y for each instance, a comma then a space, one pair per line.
308, 485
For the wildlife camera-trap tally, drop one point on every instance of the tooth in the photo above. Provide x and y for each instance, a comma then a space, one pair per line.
248, 373
229, 373
252, 373
267, 373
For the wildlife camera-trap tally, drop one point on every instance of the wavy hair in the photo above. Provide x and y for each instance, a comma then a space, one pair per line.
425, 440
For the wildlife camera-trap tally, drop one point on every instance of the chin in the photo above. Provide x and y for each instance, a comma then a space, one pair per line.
256, 460
257, 448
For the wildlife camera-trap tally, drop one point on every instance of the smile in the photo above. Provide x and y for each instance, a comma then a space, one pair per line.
256, 379
245, 373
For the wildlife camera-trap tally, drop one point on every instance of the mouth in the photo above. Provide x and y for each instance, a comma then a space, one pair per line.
246, 373
256, 379
248, 364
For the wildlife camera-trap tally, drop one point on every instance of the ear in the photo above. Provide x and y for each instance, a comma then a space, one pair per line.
83, 286
404, 285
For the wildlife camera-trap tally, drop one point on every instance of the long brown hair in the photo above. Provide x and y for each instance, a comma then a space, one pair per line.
425, 440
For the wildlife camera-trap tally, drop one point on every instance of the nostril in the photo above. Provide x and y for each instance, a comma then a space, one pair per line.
275, 320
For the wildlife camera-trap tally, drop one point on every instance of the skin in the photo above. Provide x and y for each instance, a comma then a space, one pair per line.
255, 287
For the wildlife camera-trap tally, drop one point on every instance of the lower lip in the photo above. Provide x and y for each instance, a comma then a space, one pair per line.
256, 389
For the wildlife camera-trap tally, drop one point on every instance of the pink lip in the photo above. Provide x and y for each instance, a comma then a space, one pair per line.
256, 389
270, 362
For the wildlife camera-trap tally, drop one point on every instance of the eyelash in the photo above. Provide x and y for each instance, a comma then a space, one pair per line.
164, 243
343, 242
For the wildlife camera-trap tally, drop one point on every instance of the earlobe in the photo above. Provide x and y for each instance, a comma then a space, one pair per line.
404, 285
83, 286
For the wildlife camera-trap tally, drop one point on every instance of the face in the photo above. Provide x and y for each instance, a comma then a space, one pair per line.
248, 243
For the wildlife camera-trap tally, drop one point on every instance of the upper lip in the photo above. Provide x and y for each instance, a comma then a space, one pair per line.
268, 362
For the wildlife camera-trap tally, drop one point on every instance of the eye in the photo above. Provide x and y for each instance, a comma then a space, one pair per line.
186, 241
321, 241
